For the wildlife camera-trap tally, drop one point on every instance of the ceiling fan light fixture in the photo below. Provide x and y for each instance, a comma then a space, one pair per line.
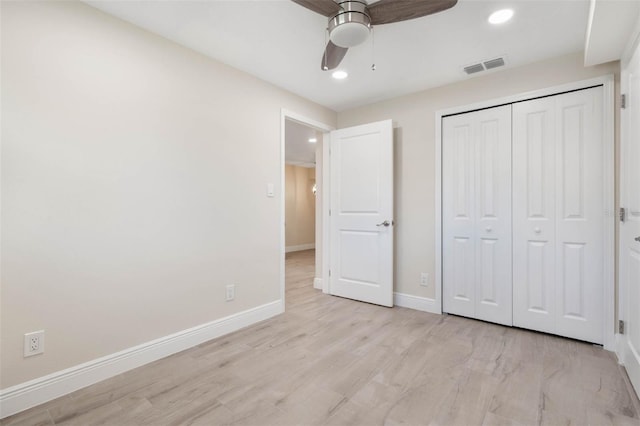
349, 34
351, 26
500, 16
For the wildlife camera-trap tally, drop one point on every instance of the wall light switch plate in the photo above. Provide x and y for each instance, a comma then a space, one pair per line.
270, 190
230, 292
424, 279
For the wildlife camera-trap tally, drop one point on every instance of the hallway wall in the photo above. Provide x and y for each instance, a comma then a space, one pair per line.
300, 208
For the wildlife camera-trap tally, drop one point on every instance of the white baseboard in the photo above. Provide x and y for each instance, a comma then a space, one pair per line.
317, 283
29, 394
416, 302
620, 347
300, 247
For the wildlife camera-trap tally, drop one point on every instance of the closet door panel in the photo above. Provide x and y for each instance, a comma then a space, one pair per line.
458, 215
476, 212
534, 256
558, 214
580, 215
493, 213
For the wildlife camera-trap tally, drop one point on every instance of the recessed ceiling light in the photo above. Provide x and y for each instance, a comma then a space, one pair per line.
500, 16
339, 75
313, 140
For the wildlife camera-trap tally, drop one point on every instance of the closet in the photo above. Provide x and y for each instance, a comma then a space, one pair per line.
523, 214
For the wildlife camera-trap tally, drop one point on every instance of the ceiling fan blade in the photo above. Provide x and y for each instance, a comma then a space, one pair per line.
388, 11
324, 7
332, 57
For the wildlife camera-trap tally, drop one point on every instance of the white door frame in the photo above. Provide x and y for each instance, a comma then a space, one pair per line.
325, 129
607, 81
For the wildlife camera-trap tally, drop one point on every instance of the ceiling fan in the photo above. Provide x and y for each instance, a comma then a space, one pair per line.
350, 21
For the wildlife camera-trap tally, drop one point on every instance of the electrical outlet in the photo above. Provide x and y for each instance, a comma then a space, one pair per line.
34, 343
424, 279
231, 292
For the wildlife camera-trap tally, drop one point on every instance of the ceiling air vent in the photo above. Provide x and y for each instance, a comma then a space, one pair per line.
472, 69
494, 63
484, 65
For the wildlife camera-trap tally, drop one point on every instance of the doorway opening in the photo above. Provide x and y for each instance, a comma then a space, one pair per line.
302, 200
300, 192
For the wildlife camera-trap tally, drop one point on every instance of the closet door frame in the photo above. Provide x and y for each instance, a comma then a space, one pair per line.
610, 213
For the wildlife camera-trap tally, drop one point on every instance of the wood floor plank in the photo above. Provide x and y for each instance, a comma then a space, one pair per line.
334, 361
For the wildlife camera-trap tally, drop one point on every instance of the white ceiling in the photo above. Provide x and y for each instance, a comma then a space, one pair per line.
298, 150
610, 25
282, 42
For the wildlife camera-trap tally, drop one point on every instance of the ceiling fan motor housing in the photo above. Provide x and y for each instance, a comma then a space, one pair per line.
350, 26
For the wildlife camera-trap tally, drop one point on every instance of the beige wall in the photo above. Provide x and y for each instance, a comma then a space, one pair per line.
126, 202
134, 177
414, 134
300, 205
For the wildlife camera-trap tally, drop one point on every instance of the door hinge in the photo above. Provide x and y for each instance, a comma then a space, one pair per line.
623, 101
329, 212
623, 214
620, 326
329, 272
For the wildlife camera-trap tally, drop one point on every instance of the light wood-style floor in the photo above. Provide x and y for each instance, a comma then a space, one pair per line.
332, 361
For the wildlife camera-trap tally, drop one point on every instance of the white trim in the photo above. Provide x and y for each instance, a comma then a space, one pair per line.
301, 119
29, 394
547, 91
326, 216
317, 283
300, 247
624, 351
609, 242
418, 303
620, 347
607, 81
621, 339
438, 179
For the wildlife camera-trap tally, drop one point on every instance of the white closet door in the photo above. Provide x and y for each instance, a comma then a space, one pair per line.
477, 214
558, 214
580, 215
458, 215
534, 225
493, 215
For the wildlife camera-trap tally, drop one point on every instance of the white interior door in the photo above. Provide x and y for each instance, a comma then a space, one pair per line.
476, 214
361, 265
558, 213
629, 272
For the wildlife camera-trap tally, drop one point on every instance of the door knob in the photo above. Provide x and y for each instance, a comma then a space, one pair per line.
385, 223
637, 239
537, 230
488, 229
